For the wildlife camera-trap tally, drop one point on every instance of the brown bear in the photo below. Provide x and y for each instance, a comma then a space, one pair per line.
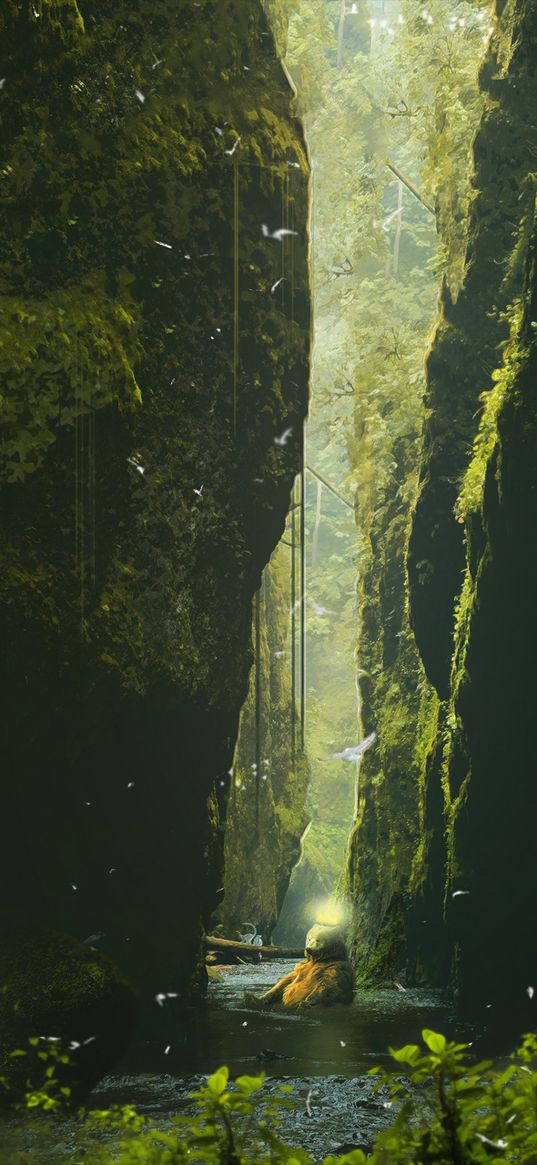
325, 976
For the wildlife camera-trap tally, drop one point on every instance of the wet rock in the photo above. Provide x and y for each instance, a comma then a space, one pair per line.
69, 995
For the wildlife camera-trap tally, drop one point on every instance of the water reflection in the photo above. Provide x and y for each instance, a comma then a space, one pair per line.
345, 1041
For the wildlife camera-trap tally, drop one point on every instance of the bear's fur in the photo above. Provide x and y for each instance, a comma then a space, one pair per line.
325, 976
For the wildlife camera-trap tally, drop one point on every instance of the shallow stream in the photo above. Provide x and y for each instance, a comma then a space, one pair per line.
324, 1054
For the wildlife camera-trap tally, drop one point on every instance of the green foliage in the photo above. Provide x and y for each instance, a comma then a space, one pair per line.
473, 1110
450, 1110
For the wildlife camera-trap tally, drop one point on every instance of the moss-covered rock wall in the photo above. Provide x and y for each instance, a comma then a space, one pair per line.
445, 675
475, 874
146, 371
266, 813
469, 332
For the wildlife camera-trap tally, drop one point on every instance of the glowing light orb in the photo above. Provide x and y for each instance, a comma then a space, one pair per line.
330, 913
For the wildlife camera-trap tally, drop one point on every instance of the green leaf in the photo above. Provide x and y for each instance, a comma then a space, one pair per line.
217, 1082
249, 1084
407, 1055
436, 1042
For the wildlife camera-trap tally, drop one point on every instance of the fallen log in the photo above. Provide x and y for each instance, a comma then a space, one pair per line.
229, 947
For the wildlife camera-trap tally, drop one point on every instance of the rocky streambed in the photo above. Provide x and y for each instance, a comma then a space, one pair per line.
324, 1055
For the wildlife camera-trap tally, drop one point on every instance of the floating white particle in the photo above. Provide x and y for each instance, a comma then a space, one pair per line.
218, 130
384, 24
353, 752
2, 82
222, 782
131, 785
233, 148
161, 244
400, 19
245, 1023
90, 1040
276, 284
530, 992
343, 1043
167, 1049
87, 802
187, 256
283, 438
279, 234
198, 491
399, 986
73, 887
140, 96
459, 893
112, 870
163, 995
74, 1045
500, 1144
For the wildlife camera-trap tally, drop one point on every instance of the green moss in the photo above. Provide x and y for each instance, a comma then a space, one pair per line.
267, 811
52, 986
62, 357
125, 594
471, 494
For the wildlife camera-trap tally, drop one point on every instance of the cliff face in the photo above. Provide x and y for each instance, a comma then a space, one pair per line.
267, 810
446, 796
492, 810
147, 370
475, 876
466, 345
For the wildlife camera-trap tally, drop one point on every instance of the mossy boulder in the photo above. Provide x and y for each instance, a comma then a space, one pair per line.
59, 992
